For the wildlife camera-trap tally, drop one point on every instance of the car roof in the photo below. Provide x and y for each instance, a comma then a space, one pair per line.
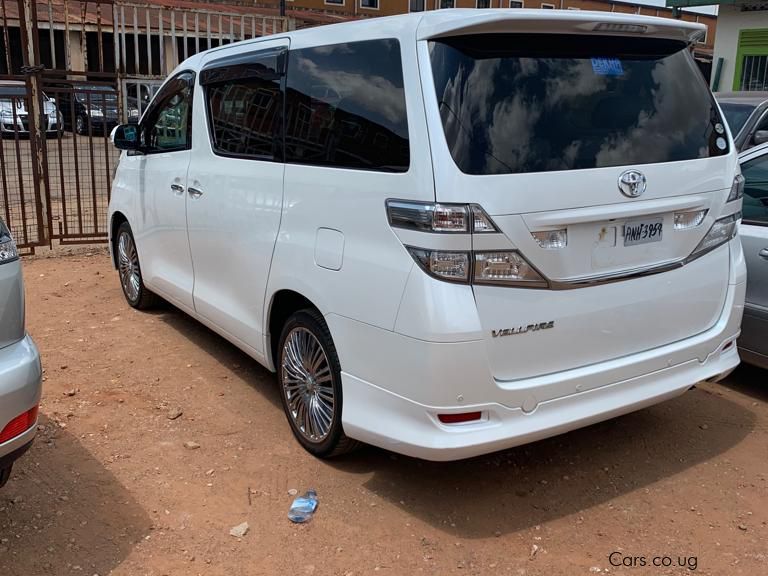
436, 23
753, 98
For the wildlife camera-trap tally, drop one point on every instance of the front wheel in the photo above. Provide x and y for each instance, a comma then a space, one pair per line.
310, 381
129, 270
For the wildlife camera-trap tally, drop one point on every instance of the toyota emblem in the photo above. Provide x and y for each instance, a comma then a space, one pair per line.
632, 183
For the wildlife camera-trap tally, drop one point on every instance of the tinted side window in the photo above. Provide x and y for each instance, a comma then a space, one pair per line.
755, 208
244, 102
345, 107
168, 127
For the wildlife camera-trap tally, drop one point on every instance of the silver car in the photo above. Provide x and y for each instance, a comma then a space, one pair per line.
753, 343
20, 370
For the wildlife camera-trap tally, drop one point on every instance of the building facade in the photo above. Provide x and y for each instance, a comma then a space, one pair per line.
740, 60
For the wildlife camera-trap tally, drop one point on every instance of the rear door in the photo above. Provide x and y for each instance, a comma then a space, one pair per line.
612, 143
236, 186
754, 238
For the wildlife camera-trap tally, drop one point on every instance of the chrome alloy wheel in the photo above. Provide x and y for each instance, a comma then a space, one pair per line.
307, 384
128, 264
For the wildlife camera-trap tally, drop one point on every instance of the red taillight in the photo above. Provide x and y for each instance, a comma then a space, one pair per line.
19, 425
459, 418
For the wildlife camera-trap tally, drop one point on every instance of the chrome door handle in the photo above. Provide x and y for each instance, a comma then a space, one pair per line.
763, 253
194, 192
177, 189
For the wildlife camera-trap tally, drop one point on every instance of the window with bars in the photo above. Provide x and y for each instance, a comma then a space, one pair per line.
417, 5
370, 4
483, 3
515, 3
447, 3
754, 73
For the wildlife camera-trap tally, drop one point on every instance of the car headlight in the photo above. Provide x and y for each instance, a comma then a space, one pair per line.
133, 113
52, 114
721, 232
96, 113
8, 251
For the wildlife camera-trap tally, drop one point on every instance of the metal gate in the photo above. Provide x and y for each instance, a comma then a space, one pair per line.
69, 72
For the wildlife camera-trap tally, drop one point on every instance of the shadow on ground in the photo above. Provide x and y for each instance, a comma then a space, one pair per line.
62, 510
561, 476
221, 350
529, 485
749, 380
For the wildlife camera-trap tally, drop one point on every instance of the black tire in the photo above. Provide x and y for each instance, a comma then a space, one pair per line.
80, 125
313, 396
127, 257
5, 474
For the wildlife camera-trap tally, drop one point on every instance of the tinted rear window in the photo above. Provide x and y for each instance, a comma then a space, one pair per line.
514, 103
345, 107
736, 115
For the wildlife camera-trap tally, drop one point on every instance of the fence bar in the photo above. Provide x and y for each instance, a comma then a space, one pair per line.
184, 24
242, 27
161, 32
83, 44
6, 203
124, 64
77, 165
136, 64
149, 41
99, 36
173, 36
208, 30
197, 32
221, 31
50, 33
67, 49
93, 162
62, 187
7, 40
21, 176
253, 26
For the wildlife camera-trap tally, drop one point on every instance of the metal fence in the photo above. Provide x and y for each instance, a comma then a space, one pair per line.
69, 72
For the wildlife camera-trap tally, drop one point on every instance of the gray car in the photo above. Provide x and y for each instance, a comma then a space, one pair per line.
20, 370
753, 343
747, 117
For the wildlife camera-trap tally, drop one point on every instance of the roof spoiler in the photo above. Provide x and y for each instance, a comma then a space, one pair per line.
561, 22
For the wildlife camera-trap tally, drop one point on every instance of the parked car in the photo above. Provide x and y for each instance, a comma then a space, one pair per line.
88, 109
448, 234
14, 117
747, 116
20, 371
753, 343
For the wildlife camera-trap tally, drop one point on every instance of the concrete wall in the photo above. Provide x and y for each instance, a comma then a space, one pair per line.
730, 21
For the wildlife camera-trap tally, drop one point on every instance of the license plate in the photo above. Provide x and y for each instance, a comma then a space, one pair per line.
642, 231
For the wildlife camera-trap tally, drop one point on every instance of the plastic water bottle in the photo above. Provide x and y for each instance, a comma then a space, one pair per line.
303, 507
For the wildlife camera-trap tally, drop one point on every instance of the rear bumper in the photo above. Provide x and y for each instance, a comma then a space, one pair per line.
387, 403
20, 389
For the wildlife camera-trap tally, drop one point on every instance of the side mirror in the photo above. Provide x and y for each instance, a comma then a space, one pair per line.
126, 137
760, 137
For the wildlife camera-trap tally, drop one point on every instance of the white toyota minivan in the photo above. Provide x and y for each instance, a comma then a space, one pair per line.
450, 232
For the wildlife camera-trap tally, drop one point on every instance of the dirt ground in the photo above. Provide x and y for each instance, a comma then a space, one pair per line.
109, 487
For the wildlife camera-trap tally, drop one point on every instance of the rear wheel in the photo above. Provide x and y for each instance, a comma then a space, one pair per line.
5, 474
310, 381
129, 270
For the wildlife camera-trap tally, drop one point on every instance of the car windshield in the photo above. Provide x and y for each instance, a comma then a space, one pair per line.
514, 103
736, 115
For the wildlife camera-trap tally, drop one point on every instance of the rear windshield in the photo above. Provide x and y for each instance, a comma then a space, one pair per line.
514, 103
736, 115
